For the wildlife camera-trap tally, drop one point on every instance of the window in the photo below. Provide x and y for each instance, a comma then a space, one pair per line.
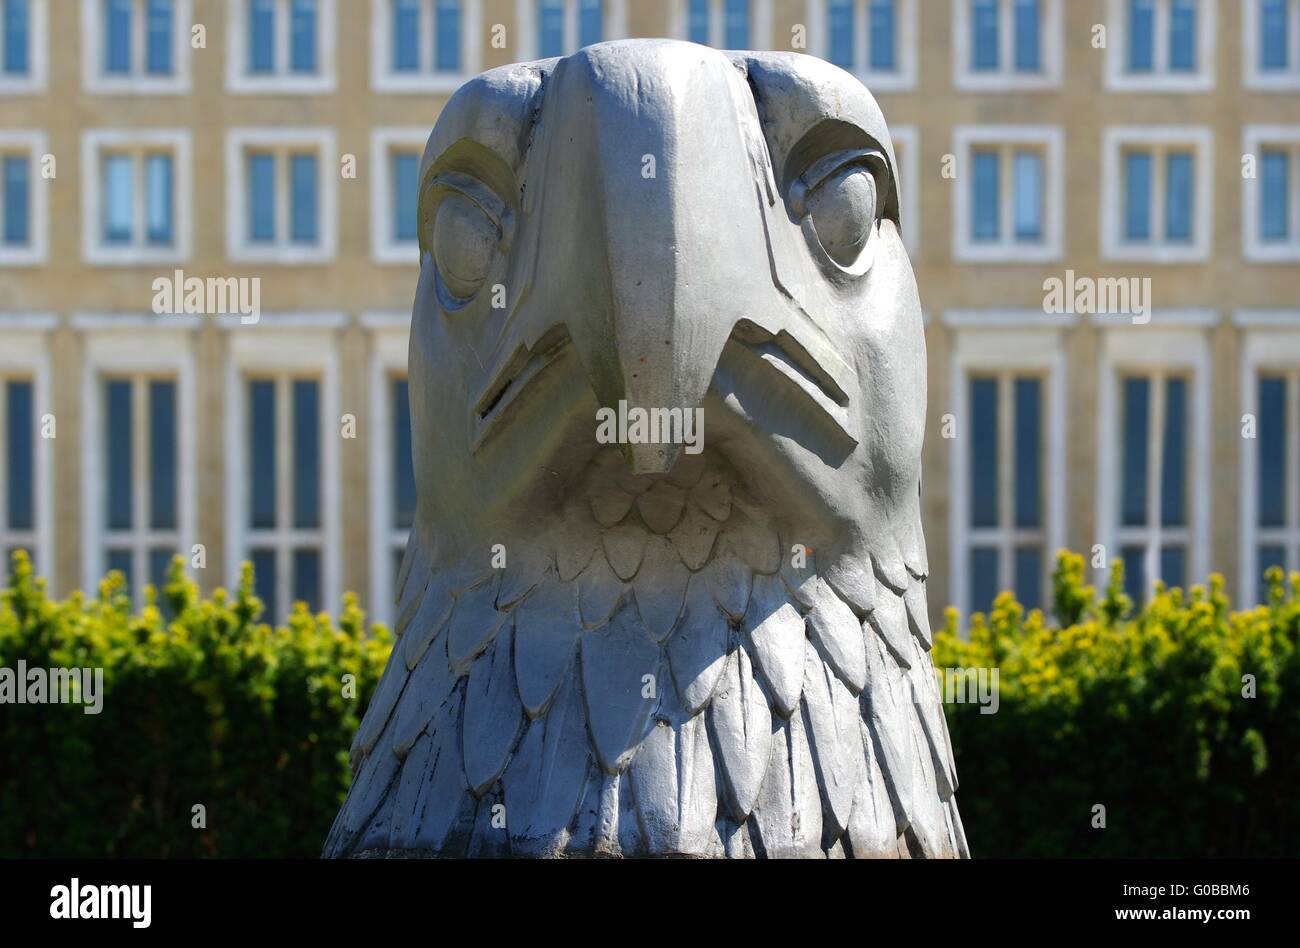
282, 435
276, 46
394, 193
1270, 485
562, 27
23, 211
281, 195
1153, 453
424, 45
22, 46
392, 477
1006, 44
137, 196
139, 46
1007, 489
1009, 193
873, 39
725, 24
1271, 44
1271, 199
1160, 45
1157, 194
25, 456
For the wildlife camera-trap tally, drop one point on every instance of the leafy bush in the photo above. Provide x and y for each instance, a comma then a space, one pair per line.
203, 705
1143, 712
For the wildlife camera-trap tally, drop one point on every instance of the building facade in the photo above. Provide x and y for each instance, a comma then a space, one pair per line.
1058, 162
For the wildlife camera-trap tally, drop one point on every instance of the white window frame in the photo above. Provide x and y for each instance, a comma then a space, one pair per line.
136, 140
908, 183
1270, 343
95, 80
36, 145
760, 22
1006, 78
283, 346
282, 81
1006, 343
382, 76
25, 354
1176, 342
1160, 79
1050, 139
37, 55
383, 248
899, 80
1159, 138
239, 248
615, 22
389, 338
1255, 78
117, 344
1254, 139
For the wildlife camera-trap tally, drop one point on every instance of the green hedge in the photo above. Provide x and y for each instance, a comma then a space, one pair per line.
203, 705
1142, 712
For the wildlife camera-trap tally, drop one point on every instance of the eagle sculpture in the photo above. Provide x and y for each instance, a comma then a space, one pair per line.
661, 647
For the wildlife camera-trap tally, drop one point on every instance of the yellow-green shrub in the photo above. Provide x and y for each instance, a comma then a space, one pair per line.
1141, 712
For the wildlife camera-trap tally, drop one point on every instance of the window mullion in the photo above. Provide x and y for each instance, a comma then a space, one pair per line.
1292, 433
1006, 37
427, 16
282, 24
862, 37
282, 197
140, 488
1155, 461
1006, 471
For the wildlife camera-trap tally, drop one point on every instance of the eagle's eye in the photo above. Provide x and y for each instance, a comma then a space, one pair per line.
843, 212
464, 241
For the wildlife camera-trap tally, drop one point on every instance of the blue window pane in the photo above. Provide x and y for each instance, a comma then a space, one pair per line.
1028, 168
1137, 195
984, 196
117, 454
261, 197
264, 582
1275, 195
306, 578
984, 34
1274, 33
261, 36
16, 200
302, 175
1269, 556
446, 50
403, 470
1173, 566
162, 455
158, 198
17, 37
1028, 452
550, 28
1141, 35
160, 561
118, 200
735, 24
983, 578
406, 172
302, 36
1133, 470
1135, 573
120, 561
1029, 576
158, 39
406, 35
984, 452
19, 451
1173, 465
117, 37
1272, 438
840, 23
591, 26
306, 453
261, 454
1178, 196
883, 35
1028, 17
697, 21
1182, 35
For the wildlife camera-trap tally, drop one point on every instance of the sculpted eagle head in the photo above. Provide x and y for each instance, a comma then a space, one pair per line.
708, 634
